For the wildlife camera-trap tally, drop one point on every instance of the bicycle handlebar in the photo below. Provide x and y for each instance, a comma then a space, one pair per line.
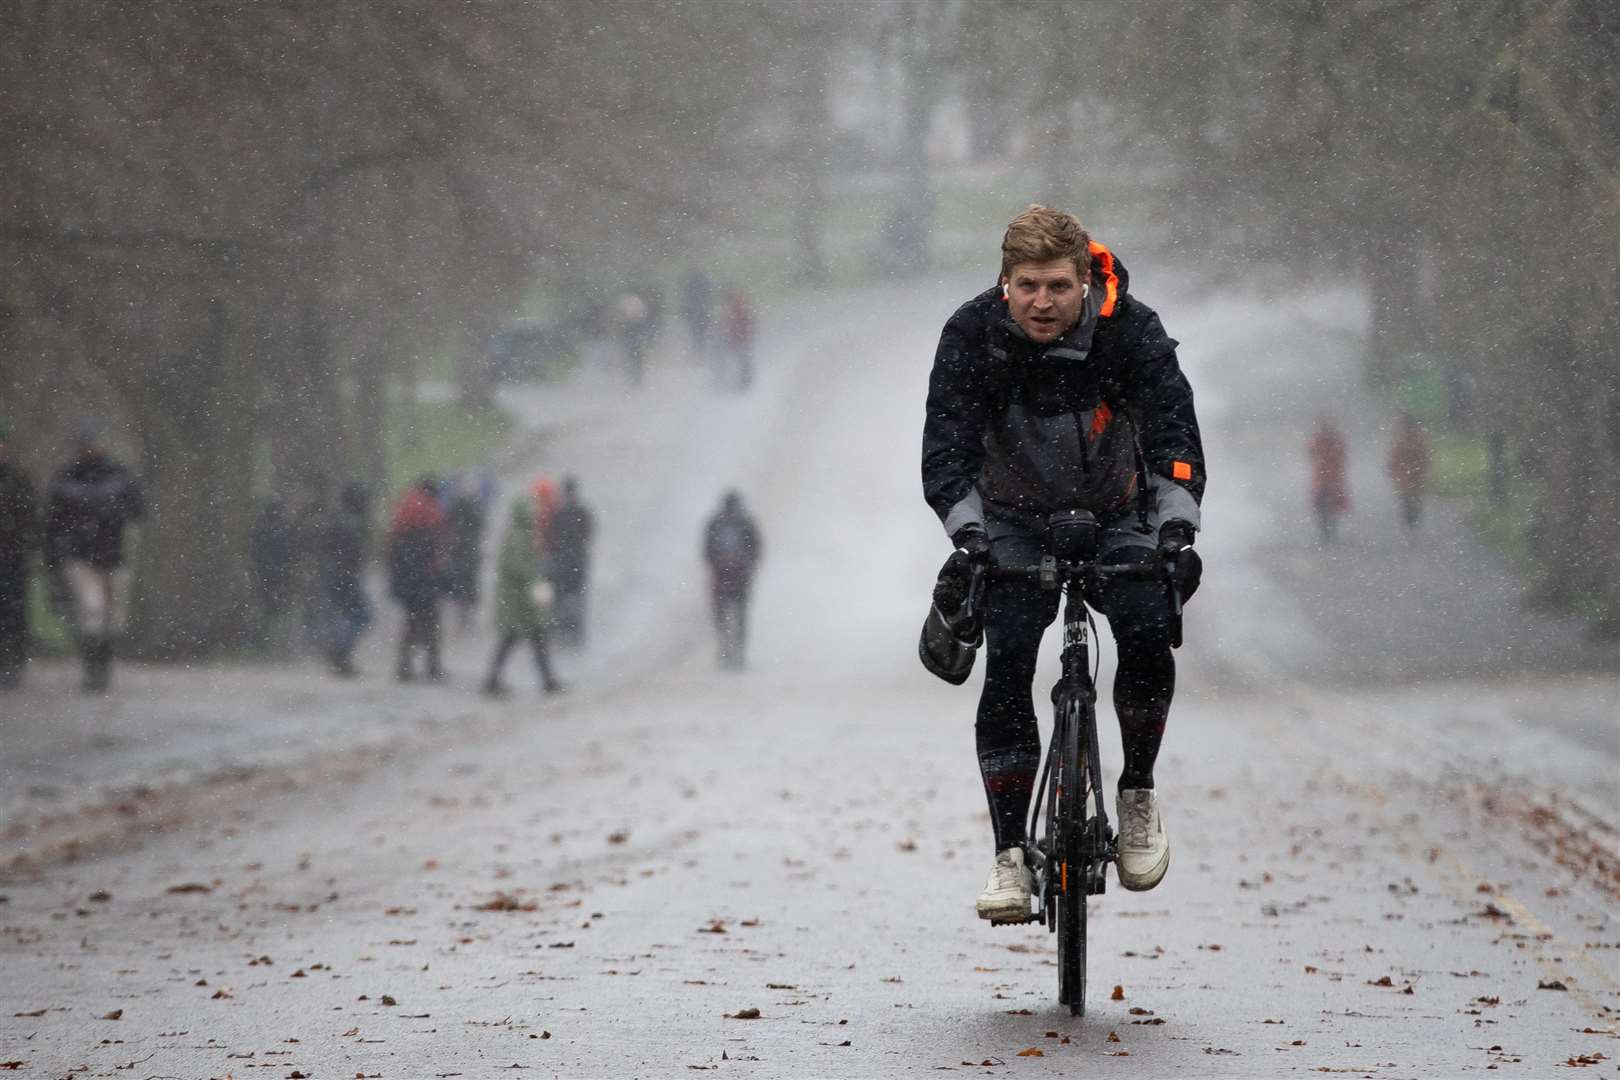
1155, 570
1050, 572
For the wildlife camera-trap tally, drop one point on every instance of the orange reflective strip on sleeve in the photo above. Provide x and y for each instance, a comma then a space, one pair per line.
1180, 470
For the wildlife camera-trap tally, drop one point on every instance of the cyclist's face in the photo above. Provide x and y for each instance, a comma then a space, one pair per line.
1045, 298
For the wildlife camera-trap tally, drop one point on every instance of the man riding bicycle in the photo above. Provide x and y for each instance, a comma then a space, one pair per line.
1057, 390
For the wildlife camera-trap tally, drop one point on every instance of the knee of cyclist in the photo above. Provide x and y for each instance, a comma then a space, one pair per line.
1146, 648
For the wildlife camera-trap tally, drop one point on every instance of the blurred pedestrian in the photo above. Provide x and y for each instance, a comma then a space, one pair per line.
732, 547
633, 320
271, 547
19, 536
1409, 468
523, 601
1330, 493
418, 547
466, 521
568, 545
341, 565
739, 350
90, 503
697, 310
547, 498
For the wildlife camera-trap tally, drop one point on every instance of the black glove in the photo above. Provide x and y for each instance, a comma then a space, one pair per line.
952, 585
1175, 547
1175, 535
972, 539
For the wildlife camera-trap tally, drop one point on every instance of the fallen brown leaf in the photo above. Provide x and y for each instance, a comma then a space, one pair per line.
743, 1014
502, 901
1118, 994
116, 1014
36, 1012
1551, 984
189, 887
1113, 1036
1033, 1051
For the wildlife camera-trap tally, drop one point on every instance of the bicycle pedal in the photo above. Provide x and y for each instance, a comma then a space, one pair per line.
1016, 920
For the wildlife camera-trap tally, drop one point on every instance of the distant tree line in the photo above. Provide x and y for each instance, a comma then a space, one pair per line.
1460, 157
232, 230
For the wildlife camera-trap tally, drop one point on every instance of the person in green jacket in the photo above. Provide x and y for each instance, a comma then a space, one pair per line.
522, 601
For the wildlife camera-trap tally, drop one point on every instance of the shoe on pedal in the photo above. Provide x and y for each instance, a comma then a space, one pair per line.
1007, 891
1144, 848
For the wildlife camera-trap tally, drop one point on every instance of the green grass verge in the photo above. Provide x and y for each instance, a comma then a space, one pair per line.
440, 438
1457, 469
51, 634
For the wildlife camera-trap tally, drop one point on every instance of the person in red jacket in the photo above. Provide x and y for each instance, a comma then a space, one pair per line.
739, 340
418, 562
1409, 468
1330, 495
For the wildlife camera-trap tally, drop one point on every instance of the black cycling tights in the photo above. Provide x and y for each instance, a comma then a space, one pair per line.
1009, 739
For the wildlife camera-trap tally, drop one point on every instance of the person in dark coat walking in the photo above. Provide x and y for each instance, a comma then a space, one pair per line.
271, 546
466, 523
342, 557
697, 309
90, 503
418, 542
568, 549
732, 547
19, 536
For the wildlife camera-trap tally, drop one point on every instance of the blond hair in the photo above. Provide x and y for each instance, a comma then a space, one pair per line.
1041, 234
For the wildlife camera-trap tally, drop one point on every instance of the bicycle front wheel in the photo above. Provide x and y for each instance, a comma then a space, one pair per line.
1073, 869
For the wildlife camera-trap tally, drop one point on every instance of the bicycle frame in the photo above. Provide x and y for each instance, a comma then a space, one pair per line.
1074, 700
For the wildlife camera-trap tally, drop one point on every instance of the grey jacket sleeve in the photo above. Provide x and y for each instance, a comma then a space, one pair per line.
1174, 502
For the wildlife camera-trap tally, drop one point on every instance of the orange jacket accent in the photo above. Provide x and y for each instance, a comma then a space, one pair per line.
1100, 419
1102, 259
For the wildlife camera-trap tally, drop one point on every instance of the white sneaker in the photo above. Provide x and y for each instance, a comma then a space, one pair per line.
1007, 891
1144, 849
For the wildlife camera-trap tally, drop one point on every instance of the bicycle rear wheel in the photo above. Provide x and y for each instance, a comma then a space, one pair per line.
1073, 863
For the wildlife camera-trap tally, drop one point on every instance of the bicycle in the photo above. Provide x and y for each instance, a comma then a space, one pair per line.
1069, 857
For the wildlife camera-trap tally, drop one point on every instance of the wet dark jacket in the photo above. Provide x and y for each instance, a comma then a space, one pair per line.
465, 520
90, 502
418, 542
342, 554
1022, 429
19, 519
568, 541
732, 547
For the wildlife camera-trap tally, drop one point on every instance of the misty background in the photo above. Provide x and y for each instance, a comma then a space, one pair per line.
268, 244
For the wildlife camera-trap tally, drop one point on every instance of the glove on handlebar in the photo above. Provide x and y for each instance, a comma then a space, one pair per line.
1175, 535
973, 540
954, 581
